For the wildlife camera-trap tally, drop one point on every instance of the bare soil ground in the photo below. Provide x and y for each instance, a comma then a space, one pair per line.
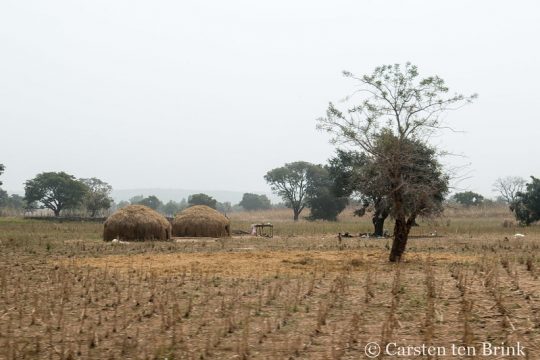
65, 294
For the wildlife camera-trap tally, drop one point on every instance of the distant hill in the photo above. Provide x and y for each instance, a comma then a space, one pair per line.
166, 195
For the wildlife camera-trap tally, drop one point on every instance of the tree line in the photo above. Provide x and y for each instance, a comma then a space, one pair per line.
348, 178
522, 198
249, 202
60, 192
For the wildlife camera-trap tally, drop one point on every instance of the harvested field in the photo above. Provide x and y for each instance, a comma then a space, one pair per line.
64, 293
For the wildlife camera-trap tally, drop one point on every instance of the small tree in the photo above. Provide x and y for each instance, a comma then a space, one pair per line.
136, 199
122, 204
202, 199
508, 188
224, 207
16, 203
320, 196
251, 202
290, 182
97, 195
527, 203
55, 190
424, 182
172, 207
396, 101
468, 198
152, 202
183, 204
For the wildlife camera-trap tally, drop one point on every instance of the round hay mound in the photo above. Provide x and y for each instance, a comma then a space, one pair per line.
136, 222
201, 220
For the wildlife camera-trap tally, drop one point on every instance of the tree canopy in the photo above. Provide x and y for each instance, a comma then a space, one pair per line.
366, 177
252, 202
321, 198
395, 109
423, 181
12, 202
122, 204
527, 203
202, 199
224, 207
55, 191
468, 198
172, 207
151, 201
290, 183
97, 195
354, 175
136, 199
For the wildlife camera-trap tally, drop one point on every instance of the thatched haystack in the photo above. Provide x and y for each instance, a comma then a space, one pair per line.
202, 221
136, 222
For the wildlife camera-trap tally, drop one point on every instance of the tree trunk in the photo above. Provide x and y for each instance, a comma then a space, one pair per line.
378, 225
56, 212
401, 235
379, 217
401, 232
296, 214
400, 239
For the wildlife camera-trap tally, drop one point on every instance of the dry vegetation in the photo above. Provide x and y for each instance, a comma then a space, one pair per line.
64, 293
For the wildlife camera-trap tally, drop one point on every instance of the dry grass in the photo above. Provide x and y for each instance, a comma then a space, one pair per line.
66, 294
201, 220
136, 222
248, 261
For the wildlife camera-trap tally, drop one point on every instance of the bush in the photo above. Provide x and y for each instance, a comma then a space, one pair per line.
468, 198
202, 199
527, 206
252, 202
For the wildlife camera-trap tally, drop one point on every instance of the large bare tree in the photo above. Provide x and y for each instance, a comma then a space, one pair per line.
393, 100
508, 187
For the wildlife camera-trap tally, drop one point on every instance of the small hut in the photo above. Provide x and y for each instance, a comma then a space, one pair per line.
136, 222
201, 220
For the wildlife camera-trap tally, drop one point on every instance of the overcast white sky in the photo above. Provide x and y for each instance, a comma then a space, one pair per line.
212, 94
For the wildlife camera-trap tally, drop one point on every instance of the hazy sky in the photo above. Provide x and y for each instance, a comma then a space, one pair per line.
212, 94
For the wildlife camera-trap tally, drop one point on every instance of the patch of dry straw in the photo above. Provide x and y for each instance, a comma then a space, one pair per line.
136, 222
201, 221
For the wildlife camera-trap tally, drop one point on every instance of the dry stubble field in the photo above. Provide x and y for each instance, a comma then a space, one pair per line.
65, 294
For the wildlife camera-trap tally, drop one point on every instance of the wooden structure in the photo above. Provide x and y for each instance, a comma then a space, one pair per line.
265, 230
